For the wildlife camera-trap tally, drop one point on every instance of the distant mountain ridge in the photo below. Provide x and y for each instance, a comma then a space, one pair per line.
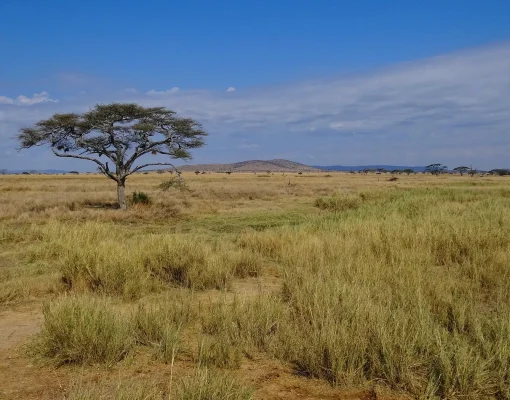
41, 171
278, 165
362, 167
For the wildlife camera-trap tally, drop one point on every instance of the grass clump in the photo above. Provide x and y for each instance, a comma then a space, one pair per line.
111, 261
219, 351
417, 301
159, 326
339, 202
246, 324
82, 330
245, 263
206, 384
122, 391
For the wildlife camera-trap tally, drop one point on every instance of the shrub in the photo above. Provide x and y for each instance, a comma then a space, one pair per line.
175, 183
140, 198
82, 330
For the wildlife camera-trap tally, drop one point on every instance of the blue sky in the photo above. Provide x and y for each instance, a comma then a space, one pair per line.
320, 82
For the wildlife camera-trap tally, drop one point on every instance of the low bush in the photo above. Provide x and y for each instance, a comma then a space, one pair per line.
140, 198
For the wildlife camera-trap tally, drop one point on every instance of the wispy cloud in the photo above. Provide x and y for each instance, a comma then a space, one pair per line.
453, 109
21, 100
248, 146
162, 92
6, 100
231, 89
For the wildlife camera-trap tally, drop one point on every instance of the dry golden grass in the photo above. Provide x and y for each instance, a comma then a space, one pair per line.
400, 284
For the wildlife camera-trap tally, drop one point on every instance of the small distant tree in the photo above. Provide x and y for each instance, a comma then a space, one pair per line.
120, 133
74, 172
3, 171
462, 170
228, 172
197, 172
472, 171
500, 172
396, 172
408, 171
160, 171
436, 169
300, 173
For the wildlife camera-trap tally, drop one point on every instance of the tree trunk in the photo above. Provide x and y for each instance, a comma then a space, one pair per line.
121, 195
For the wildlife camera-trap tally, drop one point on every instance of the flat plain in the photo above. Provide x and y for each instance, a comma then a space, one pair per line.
255, 285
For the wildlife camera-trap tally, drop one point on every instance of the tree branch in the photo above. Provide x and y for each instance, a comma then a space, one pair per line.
104, 169
146, 150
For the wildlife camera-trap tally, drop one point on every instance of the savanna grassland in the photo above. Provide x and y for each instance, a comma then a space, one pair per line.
256, 286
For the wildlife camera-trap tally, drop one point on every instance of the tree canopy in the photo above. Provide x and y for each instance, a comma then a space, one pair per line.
436, 169
462, 169
118, 133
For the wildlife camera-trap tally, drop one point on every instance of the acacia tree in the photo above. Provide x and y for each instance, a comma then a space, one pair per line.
120, 133
436, 169
462, 170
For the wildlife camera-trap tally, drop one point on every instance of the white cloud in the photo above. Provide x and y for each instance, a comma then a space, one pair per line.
42, 97
6, 100
231, 89
453, 109
153, 92
22, 100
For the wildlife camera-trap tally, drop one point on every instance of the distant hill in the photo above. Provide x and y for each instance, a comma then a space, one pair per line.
251, 166
362, 167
